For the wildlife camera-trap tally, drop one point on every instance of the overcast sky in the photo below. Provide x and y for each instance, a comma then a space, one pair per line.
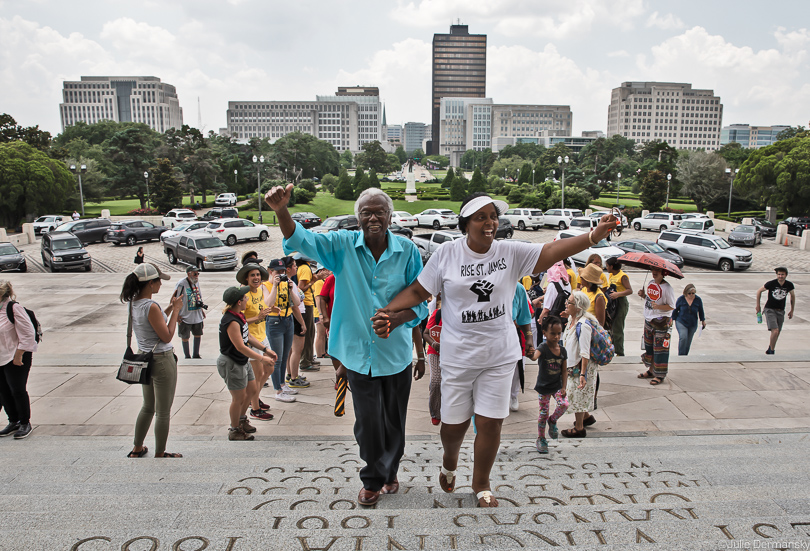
753, 54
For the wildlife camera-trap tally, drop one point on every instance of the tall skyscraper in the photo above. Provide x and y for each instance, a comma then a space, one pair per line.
121, 99
459, 70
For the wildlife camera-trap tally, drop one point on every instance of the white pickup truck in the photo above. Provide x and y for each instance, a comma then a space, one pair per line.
429, 242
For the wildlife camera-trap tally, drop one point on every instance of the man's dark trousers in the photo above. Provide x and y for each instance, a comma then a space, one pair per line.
309, 338
380, 408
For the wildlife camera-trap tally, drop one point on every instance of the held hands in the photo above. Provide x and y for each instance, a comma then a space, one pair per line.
381, 323
278, 197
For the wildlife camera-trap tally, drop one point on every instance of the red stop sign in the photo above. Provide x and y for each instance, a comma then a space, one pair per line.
653, 291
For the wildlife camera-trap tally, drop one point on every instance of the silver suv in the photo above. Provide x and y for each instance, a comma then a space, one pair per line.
704, 248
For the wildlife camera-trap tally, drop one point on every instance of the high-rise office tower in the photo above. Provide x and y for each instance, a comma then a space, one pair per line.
459, 70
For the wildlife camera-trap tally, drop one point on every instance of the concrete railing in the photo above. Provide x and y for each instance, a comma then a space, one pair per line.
25, 237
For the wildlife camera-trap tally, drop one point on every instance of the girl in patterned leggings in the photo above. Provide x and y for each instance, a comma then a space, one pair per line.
551, 380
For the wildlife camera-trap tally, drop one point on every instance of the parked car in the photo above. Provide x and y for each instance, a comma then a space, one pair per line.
132, 231
706, 249
602, 248
200, 249
745, 235
334, 223
399, 230
600, 213
92, 230
524, 219
63, 250
404, 219
692, 215
765, 227
658, 221
796, 224
216, 213
505, 229
560, 218
175, 217
307, 219
12, 259
225, 200
703, 225
429, 242
645, 246
184, 228
46, 223
437, 218
586, 223
234, 230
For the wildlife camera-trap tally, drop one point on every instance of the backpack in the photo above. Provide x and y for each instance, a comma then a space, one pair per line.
31, 316
559, 303
602, 350
611, 307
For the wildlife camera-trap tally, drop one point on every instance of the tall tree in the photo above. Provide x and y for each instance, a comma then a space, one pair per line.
128, 154
10, 131
373, 181
401, 154
779, 175
346, 159
344, 190
448, 179
477, 183
458, 188
373, 156
165, 191
702, 177
525, 175
653, 190
360, 183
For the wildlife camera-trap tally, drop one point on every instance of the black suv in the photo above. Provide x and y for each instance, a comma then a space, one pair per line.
796, 224
505, 229
132, 231
92, 230
219, 212
334, 223
64, 250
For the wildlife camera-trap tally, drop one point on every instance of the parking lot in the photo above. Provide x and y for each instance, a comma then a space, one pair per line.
119, 259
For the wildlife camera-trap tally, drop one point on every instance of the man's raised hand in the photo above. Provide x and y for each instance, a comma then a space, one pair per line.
278, 197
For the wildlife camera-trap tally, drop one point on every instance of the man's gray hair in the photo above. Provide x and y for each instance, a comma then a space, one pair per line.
372, 192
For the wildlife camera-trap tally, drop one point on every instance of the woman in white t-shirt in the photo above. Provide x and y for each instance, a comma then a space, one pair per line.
658, 306
476, 277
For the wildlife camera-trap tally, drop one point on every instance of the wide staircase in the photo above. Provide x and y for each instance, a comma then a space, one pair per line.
664, 492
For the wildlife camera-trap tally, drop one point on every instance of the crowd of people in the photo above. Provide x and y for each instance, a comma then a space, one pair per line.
367, 294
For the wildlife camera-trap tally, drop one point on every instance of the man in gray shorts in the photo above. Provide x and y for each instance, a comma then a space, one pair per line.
192, 314
774, 313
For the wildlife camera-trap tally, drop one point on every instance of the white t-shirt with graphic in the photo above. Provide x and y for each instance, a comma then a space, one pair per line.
477, 292
658, 294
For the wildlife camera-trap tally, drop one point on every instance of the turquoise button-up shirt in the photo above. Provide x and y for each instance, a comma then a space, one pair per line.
362, 285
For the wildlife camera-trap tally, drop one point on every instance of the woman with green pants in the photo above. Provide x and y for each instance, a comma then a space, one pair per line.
153, 332
618, 279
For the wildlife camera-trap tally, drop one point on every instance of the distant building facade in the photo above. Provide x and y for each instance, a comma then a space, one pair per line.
415, 135
752, 137
459, 70
121, 99
464, 123
672, 112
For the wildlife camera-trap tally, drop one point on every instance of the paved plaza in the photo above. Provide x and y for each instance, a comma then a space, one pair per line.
715, 458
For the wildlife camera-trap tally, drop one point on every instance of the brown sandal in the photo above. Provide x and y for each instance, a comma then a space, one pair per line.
574, 433
646, 375
656, 381
167, 454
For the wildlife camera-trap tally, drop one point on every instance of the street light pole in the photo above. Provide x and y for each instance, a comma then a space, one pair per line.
669, 178
79, 171
618, 184
560, 162
259, 184
532, 179
731, 187
146, 177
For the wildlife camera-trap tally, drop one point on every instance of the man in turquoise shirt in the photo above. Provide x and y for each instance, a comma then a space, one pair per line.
371, 267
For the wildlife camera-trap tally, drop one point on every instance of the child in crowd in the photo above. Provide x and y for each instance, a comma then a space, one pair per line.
432, 336
551, 380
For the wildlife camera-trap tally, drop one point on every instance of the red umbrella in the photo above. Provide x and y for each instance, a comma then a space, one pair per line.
647, 261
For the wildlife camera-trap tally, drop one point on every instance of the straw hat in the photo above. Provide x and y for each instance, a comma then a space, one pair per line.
591, 273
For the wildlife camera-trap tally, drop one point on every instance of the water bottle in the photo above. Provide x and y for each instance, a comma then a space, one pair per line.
759, 317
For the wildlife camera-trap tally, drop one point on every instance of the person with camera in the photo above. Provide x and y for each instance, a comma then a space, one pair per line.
192, 312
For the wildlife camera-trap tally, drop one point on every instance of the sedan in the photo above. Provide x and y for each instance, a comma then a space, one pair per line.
505, 229
645, 246
11, 258
602, 248
182, 229
745, 235
399, 230
765, 228
404, 219
307, 219
132, 231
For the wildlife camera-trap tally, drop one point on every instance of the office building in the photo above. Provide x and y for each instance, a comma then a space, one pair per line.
415, 135
752, 137
121, 99
671, 112
464, 123
459, 71
369, 111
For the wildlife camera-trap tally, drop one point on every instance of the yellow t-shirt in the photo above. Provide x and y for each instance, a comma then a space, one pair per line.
527, 282
255, 304
283, 301
592, 297
617, 281
305, 275
572, 278
316, 290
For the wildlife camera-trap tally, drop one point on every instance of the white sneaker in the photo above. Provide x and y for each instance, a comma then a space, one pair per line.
287, 390
514, 405
284, 397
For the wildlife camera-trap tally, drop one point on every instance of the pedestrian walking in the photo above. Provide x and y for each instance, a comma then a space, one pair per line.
432, 336
153, 331
139, 256
774, 313
582, 372
552, 379
619, 281
659, 302
688, 311
237, 347
192, 313
17, 346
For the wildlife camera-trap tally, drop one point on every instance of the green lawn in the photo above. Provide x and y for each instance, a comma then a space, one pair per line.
123, 206
607, 202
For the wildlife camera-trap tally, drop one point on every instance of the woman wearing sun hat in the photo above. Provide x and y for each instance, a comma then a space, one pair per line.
153, 332
479, 347
591, 278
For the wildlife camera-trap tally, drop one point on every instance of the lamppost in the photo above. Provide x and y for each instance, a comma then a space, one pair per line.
79, 171
618, 184
235, 178
560, 162
532, 179
669, 179
259, 184
504, 174
146, 177
730, 187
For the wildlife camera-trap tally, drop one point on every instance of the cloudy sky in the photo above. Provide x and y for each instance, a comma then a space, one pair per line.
753, 54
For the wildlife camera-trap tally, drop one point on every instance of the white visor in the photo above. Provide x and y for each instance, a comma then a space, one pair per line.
479, 202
